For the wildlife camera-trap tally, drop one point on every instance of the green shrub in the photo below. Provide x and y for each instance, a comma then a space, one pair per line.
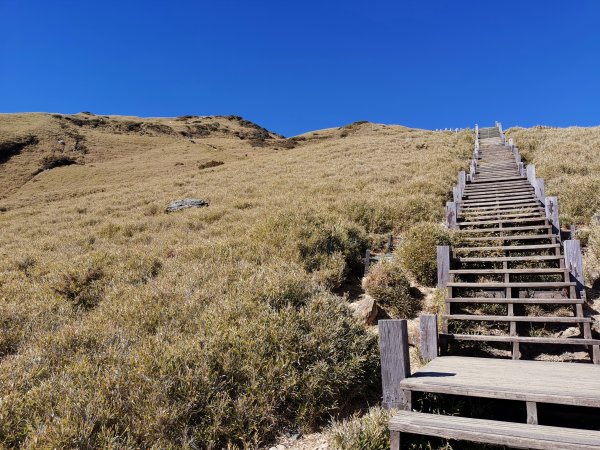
327, 246
418, 250
369, 432
387, 283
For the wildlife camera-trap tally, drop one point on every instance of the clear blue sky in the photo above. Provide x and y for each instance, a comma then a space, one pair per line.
294, 66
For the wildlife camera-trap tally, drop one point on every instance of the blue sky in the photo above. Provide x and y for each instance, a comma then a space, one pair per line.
294, 66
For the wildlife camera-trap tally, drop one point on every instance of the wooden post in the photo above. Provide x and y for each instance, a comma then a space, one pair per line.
531, 174
443, 265
451, 213
462, 181
573, 231
573, 261
456, 194
532, 414
395, 362
367, 261
521, 168
510, 143
539, 188
518, 161
597, 219
429, 336
551, 204
390, 243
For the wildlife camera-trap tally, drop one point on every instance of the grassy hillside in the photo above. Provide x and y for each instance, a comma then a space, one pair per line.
125, 326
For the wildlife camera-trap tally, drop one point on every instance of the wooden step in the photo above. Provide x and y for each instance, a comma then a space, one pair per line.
532, 271
510, 434
537, 319
490, 222
506, 248
497, 230
521, 339
519, 284
498, 180
512, 237
482, 203
500, 216
509, 258
523, 301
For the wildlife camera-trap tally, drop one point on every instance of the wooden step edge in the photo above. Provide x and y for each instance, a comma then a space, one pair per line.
522, 339
506, 247
510, 258
517, 284
524, 301
496, 230
537, 319
531, 271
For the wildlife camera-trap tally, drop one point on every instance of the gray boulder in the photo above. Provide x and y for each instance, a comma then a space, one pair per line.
186, 203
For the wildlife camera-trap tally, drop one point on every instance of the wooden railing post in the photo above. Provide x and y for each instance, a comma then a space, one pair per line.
462, 181
443, 265
539, 188
573, 261
551, 204
451, 213
531, 174
395, 362
429, 336
521, 168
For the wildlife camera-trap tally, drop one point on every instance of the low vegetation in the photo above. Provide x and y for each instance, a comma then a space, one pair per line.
126, 327
387, 283
418, 250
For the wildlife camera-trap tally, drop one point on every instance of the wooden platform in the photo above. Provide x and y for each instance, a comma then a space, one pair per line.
528, 381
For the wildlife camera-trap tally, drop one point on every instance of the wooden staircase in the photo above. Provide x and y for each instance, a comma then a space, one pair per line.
509, 269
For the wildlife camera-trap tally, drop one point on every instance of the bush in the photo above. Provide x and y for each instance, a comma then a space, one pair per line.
369, 432
387, 283
328, 247
418, 251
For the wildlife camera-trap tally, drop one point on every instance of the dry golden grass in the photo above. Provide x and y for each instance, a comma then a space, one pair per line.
123, 326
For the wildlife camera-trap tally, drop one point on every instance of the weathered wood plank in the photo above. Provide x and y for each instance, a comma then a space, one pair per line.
429, 336
514, 435
395, 361
443, 265
573, 261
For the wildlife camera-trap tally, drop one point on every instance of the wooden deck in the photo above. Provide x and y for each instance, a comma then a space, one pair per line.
528, 381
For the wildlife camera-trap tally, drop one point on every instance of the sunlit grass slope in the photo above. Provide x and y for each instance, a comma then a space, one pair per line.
123, 326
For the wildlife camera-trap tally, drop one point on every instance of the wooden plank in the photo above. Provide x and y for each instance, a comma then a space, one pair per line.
514, 435
536, 319
443, 265
451, 214
573, 261
516, 220
511, 380
534, 271
523, 284
395, 361
429, 336
522, 339
551, 206
504, 229
510, 258
506, 248
525, 301
532, 414
511, 237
